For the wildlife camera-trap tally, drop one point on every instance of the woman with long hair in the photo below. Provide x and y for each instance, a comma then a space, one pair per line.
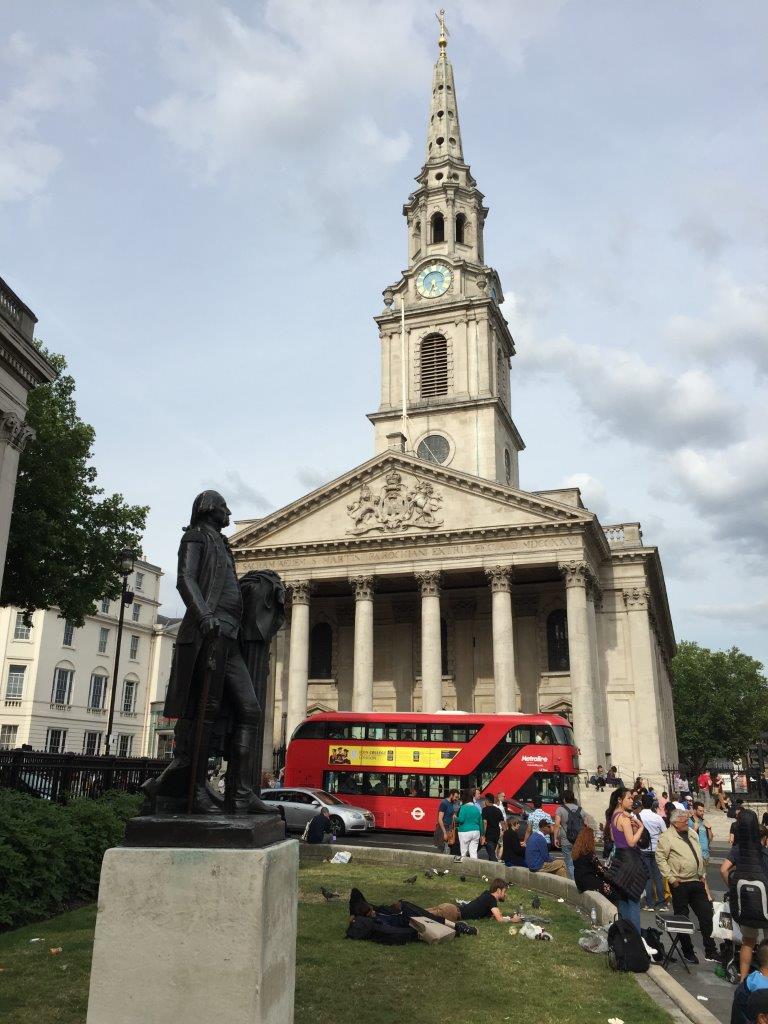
746, 854
626, 830
589, 874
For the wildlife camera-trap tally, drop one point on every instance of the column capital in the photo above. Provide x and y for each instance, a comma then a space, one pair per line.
637, 597
299, 590
429, 582
500, 578
576, 574
363, 587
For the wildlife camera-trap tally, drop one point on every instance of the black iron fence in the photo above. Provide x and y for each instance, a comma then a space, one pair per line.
64, 777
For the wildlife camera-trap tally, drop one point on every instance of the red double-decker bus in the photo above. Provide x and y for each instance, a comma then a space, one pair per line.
399, 766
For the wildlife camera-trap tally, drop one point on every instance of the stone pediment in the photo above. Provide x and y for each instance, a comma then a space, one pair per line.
395, 495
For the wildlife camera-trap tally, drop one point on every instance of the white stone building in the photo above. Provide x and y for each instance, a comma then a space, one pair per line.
22, 368
426, 578
56, 680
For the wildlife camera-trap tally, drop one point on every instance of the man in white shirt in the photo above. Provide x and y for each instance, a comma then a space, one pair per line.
655, 824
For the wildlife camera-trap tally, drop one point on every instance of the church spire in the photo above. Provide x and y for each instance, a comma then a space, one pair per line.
443, 132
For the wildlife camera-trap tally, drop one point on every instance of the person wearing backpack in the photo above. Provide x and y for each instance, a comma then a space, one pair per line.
569, 819
745, 863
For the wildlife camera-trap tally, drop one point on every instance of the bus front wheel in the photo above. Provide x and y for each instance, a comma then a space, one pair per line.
337, 825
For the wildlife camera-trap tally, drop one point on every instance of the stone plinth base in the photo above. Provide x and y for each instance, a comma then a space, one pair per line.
205, 831
195, 935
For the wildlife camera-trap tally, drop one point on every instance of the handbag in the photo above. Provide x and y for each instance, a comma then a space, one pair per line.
452, 835
627, 874
432, 931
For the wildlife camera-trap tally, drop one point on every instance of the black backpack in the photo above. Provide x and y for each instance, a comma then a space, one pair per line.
748, 897
626, 951
574, 824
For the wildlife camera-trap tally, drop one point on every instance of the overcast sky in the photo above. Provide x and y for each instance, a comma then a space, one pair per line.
201, 201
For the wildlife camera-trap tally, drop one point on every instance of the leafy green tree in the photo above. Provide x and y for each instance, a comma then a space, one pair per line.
65, 534
721, 703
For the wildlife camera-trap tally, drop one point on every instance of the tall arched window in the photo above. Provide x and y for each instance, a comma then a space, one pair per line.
438, 228
461, 223
321, 651
502, 374
443, 647
433, 370
557, 641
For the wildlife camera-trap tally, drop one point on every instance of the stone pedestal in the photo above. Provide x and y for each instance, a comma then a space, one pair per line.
195, 935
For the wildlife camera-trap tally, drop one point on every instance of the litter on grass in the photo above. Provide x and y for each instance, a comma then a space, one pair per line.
703, 999
342, 857
615, 1020
35, 940
561, 900
531, 931
55, 950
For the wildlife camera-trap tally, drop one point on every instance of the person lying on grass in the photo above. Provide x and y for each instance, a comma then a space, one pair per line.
484, 905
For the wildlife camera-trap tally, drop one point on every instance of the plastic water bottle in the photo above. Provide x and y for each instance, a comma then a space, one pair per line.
593, 917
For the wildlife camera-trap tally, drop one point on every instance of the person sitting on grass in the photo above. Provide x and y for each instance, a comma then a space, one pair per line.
319, 825
537, 855
484, 905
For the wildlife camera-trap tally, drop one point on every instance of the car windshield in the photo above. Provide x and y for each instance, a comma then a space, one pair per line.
327, 798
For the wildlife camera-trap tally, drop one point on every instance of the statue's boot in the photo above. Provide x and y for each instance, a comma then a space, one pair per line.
243, 799
204, 802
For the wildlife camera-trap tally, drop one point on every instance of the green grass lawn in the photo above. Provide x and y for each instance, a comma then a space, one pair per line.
494, 976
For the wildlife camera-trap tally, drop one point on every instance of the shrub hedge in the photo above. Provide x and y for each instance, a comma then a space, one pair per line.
50, 855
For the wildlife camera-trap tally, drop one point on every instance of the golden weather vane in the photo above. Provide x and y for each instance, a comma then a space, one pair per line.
444, 33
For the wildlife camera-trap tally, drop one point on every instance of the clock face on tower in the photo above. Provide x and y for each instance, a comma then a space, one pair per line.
433, 280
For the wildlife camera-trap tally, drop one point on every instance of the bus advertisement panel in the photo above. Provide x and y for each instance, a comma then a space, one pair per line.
399, 766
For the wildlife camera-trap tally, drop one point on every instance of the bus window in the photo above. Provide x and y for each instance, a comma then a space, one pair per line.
350, 782
421, 733
456, 734
520, 735
564, 735
548, 786
376, 732
407, 732
310, 731
439, 734
392, 732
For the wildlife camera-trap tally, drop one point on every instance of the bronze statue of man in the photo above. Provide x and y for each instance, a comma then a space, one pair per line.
208, 658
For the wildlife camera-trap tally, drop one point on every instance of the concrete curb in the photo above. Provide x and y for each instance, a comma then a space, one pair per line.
552, 885
695, 1011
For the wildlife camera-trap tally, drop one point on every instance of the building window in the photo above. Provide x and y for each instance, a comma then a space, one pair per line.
321, 651
438, 228
164, 745
97, 691
103, 640
21, 631
135, 612
133, 652
433, 369
139, 581
61, 692
508, 466
129, 696
434, 448
69, 634
105, 605
8, 734
557, 641
461, 224
502, 374
92, 743
55, 741
14, 687
124, 745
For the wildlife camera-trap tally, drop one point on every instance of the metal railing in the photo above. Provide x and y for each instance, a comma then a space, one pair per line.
64, 777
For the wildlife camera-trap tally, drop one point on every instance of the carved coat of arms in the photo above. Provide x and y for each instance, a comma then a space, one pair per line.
395, 507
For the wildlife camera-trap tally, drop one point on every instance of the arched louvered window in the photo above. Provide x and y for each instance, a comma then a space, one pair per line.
461, 223
434, 366
438, 227
321, 651
557, 641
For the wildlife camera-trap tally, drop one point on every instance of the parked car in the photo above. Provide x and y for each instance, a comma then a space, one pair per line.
301, 805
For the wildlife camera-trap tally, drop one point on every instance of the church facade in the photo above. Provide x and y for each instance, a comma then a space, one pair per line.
425, 579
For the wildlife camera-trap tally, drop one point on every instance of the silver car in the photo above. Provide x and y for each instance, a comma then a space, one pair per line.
300, 805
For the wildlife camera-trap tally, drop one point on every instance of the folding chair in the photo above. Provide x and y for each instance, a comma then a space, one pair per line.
674, 925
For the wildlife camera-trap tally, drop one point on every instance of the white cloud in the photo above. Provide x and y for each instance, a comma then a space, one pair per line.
509, 28
238, 492
635, 401
745, 614
703, 236
729, 488
735, 326
44, 83
593, 493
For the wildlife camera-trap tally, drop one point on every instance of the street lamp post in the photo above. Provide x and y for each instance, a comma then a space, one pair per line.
127, 562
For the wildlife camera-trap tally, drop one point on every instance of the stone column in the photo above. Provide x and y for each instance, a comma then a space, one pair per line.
362, 683
576, 575
602, 737
431, 656
647, 710
504, 679
298, 658
14, 434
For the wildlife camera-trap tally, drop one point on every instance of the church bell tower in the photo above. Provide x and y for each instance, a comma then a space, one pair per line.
445, 346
